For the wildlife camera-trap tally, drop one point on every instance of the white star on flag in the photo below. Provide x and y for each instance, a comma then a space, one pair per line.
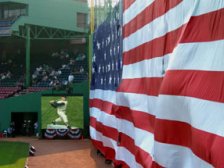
94, 58
101, 81
98, 45
110, 80
112, 37
108, 38
108, 67
116, 65
99, 69
105, 56
112, 66
102, 43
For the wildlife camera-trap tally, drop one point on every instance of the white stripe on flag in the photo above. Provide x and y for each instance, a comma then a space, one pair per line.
148, 68
105, 95
120, 152
137, 102
198, 56
207, 115
201, 8
182, 157
137, 7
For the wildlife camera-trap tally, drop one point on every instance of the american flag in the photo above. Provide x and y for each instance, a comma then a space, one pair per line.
167, 108
107, 59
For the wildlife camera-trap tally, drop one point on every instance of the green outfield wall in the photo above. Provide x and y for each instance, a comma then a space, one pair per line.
32, 103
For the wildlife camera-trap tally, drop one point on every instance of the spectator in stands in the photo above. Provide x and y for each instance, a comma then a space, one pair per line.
64, 83
70, 78
3, 76
81, 70
55, 54
52, 73
80, 57
71, 62
8, 75
45, 78
39, 69
64, 66
67, 56
44, 73
34, 78
69, 86
58, 72
51, 83
55, 84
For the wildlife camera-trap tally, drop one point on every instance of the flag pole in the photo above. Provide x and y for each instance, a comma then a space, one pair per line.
92, 16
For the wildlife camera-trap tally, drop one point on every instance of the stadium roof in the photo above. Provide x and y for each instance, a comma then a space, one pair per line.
60, 15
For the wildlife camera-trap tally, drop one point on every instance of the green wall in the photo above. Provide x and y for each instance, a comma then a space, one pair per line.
32, 103
26, 103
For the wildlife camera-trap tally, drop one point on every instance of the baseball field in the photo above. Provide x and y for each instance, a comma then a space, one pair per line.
74, 111
13, 154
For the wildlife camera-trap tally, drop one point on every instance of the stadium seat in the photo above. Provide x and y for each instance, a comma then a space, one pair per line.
8, 91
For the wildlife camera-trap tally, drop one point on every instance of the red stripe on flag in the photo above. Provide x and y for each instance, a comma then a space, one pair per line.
105, 130
125, 141
199, 29
156, 165
149, 14
127, 4
109, 153
102, 105
206, 85
207, 146
155, 48
206, 27
139, 119
141, 156
148, 86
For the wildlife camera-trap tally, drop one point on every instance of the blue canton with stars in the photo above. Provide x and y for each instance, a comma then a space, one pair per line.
107, 53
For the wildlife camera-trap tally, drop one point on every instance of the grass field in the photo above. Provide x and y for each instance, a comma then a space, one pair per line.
74, 111
13, 154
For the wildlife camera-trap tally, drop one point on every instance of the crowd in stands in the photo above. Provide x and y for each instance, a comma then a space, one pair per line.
61, 69
11, 70
70, 70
